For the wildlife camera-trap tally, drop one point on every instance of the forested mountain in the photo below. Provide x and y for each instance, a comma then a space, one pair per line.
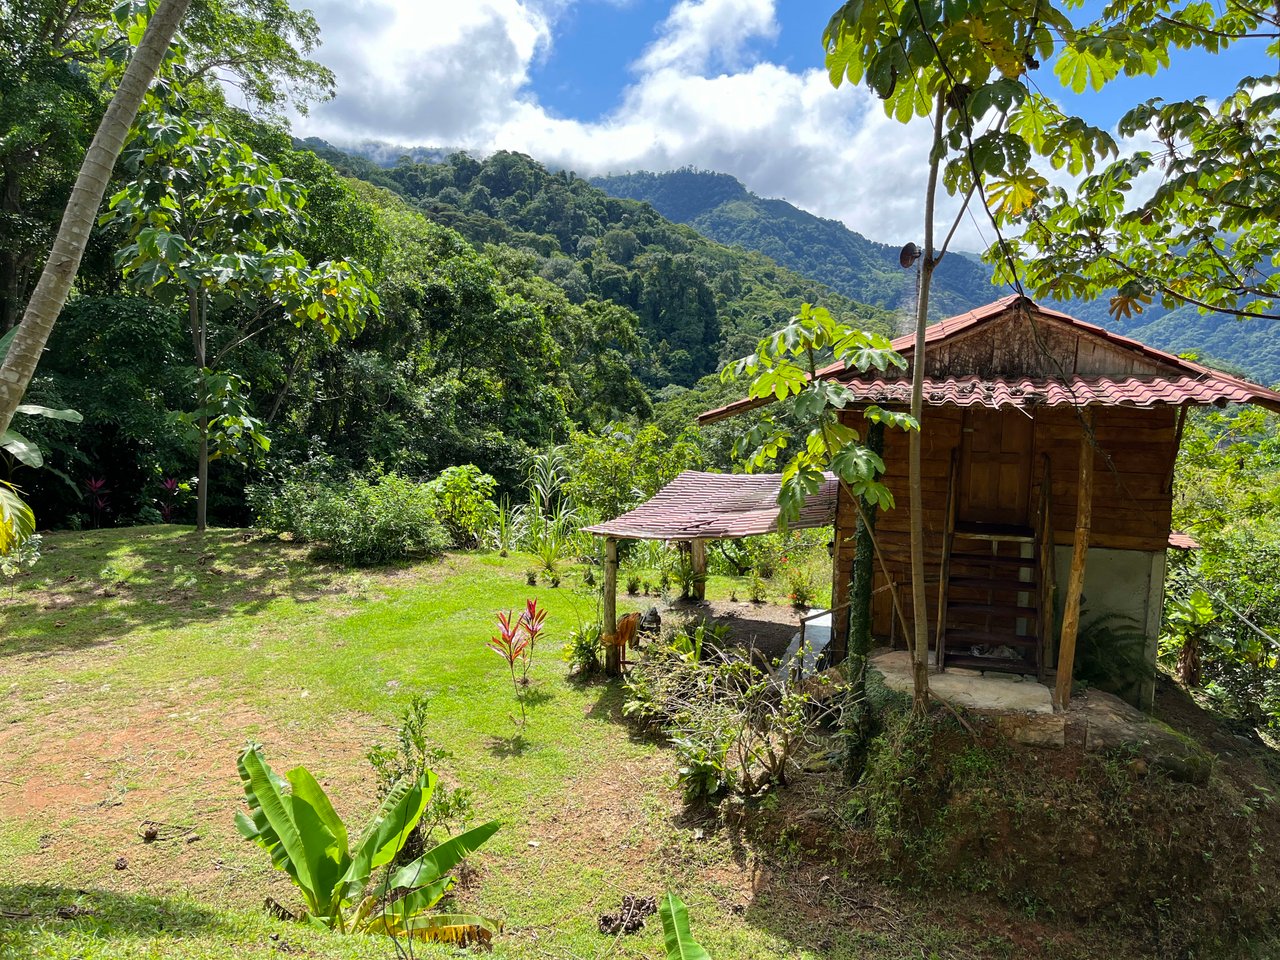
720, 207
699, 302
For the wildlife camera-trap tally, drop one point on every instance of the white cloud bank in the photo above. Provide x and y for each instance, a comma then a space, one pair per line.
456, 73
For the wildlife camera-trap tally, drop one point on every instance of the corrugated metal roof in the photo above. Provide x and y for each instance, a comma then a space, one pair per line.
717, 506
1186, 383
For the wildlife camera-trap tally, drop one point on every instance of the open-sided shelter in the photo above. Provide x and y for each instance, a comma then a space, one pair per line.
1048, 455
696, 507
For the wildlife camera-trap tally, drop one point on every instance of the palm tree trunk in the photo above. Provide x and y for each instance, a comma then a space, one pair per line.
50, 294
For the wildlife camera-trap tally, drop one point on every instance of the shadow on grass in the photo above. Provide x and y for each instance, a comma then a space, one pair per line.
30, 911
93, 588
513, 746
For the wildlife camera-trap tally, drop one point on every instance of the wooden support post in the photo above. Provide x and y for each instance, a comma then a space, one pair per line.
698, 555
609, 628
1079, 551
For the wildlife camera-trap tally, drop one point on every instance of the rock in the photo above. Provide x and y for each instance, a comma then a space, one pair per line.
1041, 730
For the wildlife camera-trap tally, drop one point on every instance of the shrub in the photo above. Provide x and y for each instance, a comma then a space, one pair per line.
800, 589
411, 757
735, 727
359, 520
464, 503
294, 821
633, 585
582, 650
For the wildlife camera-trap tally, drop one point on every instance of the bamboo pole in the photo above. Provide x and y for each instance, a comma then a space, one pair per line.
609, 629
698, 556
1079, 551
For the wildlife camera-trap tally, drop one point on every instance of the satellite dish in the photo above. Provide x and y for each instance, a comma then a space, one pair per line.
908, 256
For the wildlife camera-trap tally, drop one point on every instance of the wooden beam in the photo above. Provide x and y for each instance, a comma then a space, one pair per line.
609, 629
1079, 551
698, 555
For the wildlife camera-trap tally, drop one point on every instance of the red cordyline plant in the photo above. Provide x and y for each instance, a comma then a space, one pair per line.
510, 644
531, 622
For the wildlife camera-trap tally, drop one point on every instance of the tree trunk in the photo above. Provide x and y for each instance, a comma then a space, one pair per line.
609, 628
857, 717
919, 639
197, 317
50, 294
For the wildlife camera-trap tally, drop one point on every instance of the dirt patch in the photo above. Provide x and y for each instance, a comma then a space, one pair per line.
765, 627
88, 782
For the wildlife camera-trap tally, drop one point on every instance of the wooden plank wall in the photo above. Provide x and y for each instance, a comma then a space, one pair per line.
1132, 499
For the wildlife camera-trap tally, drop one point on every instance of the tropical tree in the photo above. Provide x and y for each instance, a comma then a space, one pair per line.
810, 439
970, 71
1205, 236
294, 821
209, 222
153, 37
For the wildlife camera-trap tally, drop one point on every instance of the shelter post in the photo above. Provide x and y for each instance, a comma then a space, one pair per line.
1079, 551
609, 629
698, 556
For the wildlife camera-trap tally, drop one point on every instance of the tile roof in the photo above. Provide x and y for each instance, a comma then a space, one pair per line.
717, 506
1185, 383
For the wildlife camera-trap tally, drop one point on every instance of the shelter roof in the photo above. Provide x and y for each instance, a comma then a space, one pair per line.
717, 506
1016, 353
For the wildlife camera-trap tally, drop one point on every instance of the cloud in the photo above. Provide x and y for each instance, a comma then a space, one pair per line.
696, 32
457, 74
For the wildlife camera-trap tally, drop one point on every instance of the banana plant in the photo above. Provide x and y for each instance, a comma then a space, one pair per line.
675, 931
292, 819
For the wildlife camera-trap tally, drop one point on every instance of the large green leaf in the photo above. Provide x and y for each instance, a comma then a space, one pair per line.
675, 931
306, 788
387, 832
434, 864
324, 839
21, 449
36, 410
271, 823
17, 522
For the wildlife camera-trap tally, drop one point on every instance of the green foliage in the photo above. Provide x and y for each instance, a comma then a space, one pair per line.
694, 303
1223, 599
784, 367
359, 520
582, 650
676, 936
612, 471
1201, 233
412, 757
463, 503
296, 824
734, 725
719, 207
17, 522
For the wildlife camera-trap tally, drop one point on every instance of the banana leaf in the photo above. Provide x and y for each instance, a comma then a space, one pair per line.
272, 825
460, 929
675, 931
17, 522
434, 864
387, 832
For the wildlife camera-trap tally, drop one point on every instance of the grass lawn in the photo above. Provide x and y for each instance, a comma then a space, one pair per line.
136, 663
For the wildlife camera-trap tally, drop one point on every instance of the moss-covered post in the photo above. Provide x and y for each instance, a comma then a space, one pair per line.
857, 715
609, 628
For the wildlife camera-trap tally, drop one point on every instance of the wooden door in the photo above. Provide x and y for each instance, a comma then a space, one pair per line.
995, 467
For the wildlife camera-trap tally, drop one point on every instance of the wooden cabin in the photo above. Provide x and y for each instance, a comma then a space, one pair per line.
1038, 430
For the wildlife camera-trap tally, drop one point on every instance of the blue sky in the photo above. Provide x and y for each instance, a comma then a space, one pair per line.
603, 86
587, 69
